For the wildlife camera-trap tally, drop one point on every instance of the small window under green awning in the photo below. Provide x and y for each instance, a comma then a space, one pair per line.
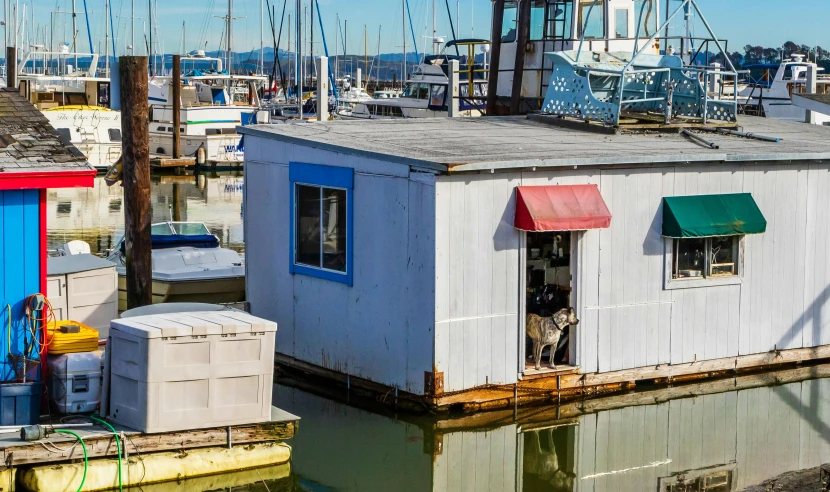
712, 215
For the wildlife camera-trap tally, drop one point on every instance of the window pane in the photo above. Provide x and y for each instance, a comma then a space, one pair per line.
537, 20
161, 230
561, 20
690, 258
308, 226
621, 23
595, 28
437, 97
334, 229
724, 256
115, 134
508, 30
648, 24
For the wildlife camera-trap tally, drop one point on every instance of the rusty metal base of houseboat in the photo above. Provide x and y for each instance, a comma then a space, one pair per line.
553, 388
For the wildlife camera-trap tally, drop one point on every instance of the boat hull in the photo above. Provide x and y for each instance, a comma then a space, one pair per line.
211, 291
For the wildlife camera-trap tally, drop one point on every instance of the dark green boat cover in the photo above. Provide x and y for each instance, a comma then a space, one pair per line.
712, 215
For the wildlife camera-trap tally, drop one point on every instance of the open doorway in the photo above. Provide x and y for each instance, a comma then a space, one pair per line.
548, 279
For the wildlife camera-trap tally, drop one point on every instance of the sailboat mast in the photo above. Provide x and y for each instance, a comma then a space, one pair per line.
434, 23
365, 55
74, 34
298, 71
403, 23
132, 27
150, 46
230, 23
106, 37
261, 39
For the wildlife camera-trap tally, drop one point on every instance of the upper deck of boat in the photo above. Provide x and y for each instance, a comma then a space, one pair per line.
483, 144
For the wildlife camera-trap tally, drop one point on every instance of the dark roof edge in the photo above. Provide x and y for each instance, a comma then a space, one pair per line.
412, 163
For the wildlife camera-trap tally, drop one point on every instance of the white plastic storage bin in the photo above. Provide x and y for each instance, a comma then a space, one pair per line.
196, 370
75, 382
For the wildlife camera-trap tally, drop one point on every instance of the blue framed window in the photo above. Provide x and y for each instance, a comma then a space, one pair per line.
321, 222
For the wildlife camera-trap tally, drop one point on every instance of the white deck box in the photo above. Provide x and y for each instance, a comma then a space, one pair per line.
191, 370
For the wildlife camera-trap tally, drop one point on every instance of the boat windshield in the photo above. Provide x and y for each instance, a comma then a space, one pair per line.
179, 228
416, 90
190, 229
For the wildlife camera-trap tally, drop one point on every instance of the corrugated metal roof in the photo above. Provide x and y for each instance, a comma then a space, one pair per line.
28, 143
476, 144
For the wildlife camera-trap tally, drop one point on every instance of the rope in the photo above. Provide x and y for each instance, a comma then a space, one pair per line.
117, 444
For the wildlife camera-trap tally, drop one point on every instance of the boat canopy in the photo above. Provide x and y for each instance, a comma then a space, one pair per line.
166, 235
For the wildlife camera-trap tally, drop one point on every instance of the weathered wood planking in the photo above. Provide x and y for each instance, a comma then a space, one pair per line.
104, 445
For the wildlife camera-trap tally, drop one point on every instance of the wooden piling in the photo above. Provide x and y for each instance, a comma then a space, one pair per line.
177, 105
135, 128
495, 57
11, 67
522, 35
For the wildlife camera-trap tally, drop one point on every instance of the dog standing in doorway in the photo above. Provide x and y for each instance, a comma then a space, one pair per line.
547, 331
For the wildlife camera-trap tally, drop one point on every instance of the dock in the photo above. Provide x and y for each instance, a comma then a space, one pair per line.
165, 162
27, 459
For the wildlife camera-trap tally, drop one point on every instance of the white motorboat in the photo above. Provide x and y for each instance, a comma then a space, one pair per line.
188, 266
425, 96
772, 86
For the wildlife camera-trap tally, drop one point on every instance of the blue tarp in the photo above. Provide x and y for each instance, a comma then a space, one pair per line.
178, 241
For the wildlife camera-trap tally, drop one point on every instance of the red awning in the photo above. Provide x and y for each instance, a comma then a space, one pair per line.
560, 208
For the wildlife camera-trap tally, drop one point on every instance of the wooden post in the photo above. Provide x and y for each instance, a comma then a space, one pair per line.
811, 88
454, 102
11, 67
177, 106
522, 35
323, 88
135, 128
495, 58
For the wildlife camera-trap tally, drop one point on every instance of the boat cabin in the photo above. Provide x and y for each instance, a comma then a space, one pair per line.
410, 257
594, 26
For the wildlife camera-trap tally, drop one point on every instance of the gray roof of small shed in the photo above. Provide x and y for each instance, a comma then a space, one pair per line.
476, 144
28, 143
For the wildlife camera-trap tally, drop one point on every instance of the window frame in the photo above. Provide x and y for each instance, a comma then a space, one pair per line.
320, 176
670, 283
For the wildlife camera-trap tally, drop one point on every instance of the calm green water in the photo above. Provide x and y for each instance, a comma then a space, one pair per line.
716, 442
96, 215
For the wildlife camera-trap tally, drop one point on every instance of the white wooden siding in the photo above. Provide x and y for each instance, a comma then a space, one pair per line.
476, 281
379, 329
628, 318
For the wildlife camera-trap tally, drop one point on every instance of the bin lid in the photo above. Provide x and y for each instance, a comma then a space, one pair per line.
192, 324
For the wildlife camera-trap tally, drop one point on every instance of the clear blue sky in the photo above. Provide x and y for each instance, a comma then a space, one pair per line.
764, 22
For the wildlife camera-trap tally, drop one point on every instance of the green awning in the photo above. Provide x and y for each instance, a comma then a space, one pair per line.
712, 215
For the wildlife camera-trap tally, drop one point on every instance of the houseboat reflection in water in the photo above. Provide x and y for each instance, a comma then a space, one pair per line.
721, 440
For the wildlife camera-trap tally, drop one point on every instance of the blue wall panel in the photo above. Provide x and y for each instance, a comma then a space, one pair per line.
19, 269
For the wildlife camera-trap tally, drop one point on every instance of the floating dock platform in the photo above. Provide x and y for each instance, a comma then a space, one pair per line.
57, 462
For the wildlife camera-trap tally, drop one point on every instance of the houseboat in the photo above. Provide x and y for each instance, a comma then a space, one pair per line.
412, 268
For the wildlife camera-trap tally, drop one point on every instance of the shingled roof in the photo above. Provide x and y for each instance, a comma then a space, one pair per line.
29, 144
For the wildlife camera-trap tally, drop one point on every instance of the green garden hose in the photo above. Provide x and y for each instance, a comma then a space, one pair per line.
117, 445
86, 457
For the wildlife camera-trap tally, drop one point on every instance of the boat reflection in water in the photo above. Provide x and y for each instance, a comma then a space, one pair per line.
96, 215
666, 440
